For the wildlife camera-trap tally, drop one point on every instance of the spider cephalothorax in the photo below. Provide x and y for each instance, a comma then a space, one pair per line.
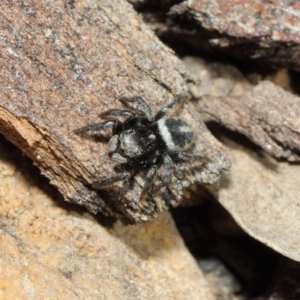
144, 142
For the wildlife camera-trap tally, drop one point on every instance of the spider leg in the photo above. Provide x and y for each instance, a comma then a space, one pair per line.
167, 108
167, 179
112, 179
143, 106
168, 170
148, 181
119, 158
118, 113
93, 129
185, 156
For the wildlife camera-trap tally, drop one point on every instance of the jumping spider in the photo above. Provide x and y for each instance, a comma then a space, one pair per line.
144, 142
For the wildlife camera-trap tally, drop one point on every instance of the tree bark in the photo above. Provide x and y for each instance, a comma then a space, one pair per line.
62, 64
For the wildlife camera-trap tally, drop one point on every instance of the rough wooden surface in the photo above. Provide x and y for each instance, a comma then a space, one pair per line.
64, 63
267, 31
267, 115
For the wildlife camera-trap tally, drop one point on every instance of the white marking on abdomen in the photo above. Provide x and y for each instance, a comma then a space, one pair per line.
166, 135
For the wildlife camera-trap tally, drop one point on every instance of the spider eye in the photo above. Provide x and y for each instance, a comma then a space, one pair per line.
137, 143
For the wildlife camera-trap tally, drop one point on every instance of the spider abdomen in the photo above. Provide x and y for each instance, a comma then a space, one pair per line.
175, 134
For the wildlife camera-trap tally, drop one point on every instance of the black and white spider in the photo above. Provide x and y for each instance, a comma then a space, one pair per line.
144, 142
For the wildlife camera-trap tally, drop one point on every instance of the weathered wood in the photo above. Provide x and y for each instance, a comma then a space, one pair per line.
267, 115
266, 31
63, 63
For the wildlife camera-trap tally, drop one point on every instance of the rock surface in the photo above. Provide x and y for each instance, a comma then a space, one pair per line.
53, 250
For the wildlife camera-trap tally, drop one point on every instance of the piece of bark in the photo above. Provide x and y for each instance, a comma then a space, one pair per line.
267, 115
261, 30
262, 195
64, 63
50, 249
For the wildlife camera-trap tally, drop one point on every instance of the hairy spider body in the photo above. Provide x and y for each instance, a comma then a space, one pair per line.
144, 142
